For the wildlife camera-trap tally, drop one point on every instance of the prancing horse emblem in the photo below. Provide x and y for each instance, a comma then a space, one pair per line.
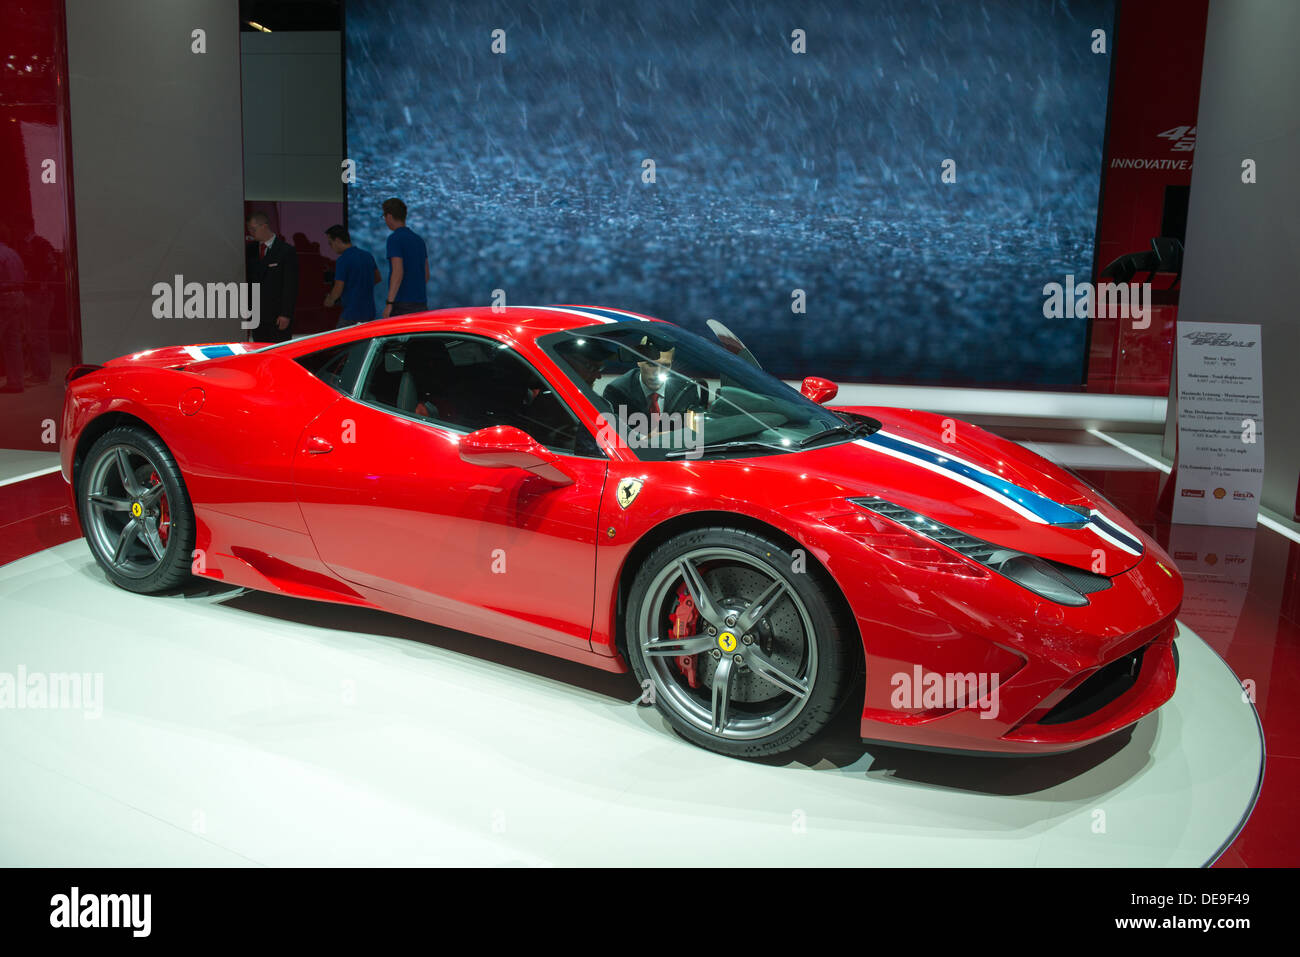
628, 490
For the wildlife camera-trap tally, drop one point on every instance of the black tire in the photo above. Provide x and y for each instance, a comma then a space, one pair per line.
156, 556
797, 642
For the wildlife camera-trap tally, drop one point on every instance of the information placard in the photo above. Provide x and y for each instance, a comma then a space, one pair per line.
1220, 424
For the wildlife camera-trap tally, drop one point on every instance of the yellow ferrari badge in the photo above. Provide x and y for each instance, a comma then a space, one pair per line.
627, 491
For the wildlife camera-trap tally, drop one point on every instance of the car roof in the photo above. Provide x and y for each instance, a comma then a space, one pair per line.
511, 322
519, 320
514, 321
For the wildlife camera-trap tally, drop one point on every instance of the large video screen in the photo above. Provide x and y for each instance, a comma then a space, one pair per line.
868, 190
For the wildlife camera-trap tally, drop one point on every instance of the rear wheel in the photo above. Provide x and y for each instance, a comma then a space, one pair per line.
135, 512
741, 645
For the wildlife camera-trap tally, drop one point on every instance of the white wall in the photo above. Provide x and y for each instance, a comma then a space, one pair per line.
1243, 241
293, 116
156, 157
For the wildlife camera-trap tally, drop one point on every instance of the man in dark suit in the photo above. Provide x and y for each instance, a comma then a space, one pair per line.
650, 388
275, 270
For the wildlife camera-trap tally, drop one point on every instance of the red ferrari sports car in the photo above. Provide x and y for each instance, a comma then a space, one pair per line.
618, 491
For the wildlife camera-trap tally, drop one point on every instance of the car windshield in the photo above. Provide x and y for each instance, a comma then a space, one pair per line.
669, 393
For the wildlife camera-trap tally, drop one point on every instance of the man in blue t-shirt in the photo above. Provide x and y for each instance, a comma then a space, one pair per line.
408, 261
355, 277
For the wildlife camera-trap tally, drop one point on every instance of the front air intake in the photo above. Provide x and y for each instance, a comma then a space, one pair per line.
1102, 687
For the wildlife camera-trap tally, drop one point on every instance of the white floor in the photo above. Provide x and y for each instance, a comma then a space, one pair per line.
244, 729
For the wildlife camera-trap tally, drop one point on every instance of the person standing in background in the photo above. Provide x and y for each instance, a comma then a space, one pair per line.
408, 262
275, 270
355, 276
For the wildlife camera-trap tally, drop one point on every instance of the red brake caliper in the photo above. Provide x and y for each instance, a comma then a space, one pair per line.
164, 517
686, 621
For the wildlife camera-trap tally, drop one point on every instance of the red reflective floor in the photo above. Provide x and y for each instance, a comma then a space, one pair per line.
1242, 598
35, 514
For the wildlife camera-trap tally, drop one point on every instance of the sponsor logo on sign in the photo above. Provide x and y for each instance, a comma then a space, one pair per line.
1193, 493
1216, 339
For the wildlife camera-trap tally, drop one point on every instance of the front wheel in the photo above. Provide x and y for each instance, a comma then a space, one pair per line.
740, 643
135, 512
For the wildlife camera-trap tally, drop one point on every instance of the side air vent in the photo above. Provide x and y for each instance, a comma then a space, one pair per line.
1054, 581
1084, 582
973, 548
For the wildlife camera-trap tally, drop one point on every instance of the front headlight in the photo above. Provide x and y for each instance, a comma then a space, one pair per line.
1051, 580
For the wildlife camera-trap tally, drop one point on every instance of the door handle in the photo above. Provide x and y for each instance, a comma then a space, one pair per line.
316, 445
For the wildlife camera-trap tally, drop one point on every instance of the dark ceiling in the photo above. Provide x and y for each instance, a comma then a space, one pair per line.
280, 15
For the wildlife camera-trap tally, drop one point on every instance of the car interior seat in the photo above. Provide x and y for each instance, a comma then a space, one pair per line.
432, 377
384, 381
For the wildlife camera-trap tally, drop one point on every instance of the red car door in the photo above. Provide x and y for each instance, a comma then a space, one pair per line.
391, 506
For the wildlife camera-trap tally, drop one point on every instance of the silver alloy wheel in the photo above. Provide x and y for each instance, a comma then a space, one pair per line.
125, 515
788, 667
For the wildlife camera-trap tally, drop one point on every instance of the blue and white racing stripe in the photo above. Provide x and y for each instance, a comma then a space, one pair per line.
613, 315
1105, 528
1025, 503
216, 352
601, 315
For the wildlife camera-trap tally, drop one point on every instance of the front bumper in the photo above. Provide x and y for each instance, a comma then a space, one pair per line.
1119, 698
1058, 678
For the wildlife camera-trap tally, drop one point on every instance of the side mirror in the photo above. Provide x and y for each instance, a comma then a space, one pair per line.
820, 391
505, 447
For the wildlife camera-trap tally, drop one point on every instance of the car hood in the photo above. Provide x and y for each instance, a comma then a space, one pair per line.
973, 481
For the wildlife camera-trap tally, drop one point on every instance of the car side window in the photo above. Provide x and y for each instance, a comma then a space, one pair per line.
467, 383
338, 367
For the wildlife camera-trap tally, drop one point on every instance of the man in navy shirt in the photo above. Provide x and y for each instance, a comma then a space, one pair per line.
408, 261
355, 276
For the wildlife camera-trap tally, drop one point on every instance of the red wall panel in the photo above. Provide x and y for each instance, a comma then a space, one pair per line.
1155, 89
39, 316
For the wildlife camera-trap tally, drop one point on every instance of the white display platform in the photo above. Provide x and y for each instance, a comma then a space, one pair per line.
246, 729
